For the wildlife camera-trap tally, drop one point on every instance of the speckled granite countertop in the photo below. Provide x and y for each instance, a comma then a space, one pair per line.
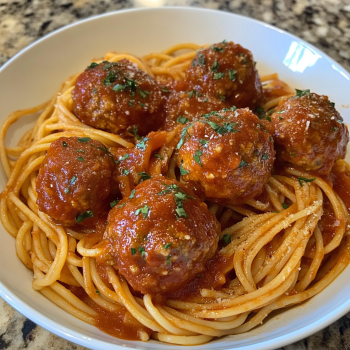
324, 23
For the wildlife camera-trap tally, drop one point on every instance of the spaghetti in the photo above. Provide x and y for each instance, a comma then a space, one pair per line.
276, 254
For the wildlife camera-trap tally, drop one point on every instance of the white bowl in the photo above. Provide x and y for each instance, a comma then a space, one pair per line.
34, 74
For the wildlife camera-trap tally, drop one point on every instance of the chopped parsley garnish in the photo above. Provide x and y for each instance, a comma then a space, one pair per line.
282, 111
203, 142
132, 194
228, 127
265, 156
98, 292
119, 87
182, 120
197, 156
280, 118
301, 93
183, 134
226, 238
142, 251
232, 74
205, 100
168, 260
332, 104
114, 203
110, 78
158, 156
143, 93
72, 180
181, 213
218, 76
64, 144
126, 172
242, 163
81, 159
268, 118
133, 251
142, 105
92, 65
144, 176
244, 57
191, 93
164, 89
66, 190
285, 206
80, 217
125, 156
303, 179
84, 139
201, 59
131, 103
183, 171
292, 154
335, 128
167, 246
215, 66
233, 108
134, 131
271, 138
260, 113
217, 49
142, 144
79, 151
144, 211
104, 149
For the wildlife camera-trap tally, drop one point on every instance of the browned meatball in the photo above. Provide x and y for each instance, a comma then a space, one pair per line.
228, 153
309, 132
185, 105
227, 71
75, 181
113, 96
162, 236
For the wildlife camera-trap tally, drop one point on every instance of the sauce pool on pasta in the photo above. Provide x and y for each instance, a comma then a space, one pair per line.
179, 196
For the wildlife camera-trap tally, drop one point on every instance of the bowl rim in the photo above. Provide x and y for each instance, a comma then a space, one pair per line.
76, 337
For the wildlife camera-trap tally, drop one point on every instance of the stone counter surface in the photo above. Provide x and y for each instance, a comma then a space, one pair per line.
324, 23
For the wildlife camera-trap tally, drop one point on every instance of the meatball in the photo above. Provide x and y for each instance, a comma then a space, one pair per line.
185, 105
229, 154
227, 71
114, 96
309, 132
75, 181
161, 236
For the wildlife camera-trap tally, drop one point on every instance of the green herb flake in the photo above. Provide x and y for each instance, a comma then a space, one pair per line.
80, 217
203, 142
158, 156
142, 144
84, 139
265, 156
268, 118
119, 87
192, 93
303, 179
168, 260
292, 154
215, 66
332, 104
205, 100
300, 93
110, 78
164, 89
226, 238
66, 190
183, 134
197, 156
282, 111
133, 251
92, 65
181, 213
242, 163
134, 131
167, 246
72, 180
132, 194
131, 103
183, 171
144, 211
126, 172
81, 159
227, 127
335, 128
232, 74
285, 206
144, 176
218, 76
64, 144
217, 49
114, 203
125, 156
143, 93
182, 120
98, 292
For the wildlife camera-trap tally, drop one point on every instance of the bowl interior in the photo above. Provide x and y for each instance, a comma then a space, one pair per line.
36, 73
